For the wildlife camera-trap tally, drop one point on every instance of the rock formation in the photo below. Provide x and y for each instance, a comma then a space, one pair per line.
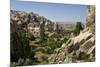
91, 16
30, 22
80, 48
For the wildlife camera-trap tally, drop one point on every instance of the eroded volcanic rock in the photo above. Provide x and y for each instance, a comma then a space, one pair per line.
80, 48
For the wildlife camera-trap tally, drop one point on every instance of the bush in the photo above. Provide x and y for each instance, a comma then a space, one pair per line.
30, 36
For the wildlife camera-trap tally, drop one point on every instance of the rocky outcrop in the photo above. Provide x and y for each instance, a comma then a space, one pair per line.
91, 16
30, 22
76, 49
80, 48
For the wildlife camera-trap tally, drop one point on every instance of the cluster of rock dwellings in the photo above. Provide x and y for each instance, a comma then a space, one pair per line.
80, 48
30, 22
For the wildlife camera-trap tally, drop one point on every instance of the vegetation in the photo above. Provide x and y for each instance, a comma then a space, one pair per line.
23, 54
20, 49
78, 28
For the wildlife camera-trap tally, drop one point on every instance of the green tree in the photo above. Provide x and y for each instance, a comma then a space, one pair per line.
78, 28
19, 46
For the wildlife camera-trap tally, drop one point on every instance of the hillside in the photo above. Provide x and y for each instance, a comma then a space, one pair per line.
80, 48
34, 37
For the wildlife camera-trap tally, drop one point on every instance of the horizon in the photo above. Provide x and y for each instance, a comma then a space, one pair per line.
53, 11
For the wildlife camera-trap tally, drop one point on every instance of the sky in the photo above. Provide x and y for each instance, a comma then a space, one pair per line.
53, 11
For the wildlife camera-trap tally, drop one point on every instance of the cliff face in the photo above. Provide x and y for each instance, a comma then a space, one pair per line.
80, 48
